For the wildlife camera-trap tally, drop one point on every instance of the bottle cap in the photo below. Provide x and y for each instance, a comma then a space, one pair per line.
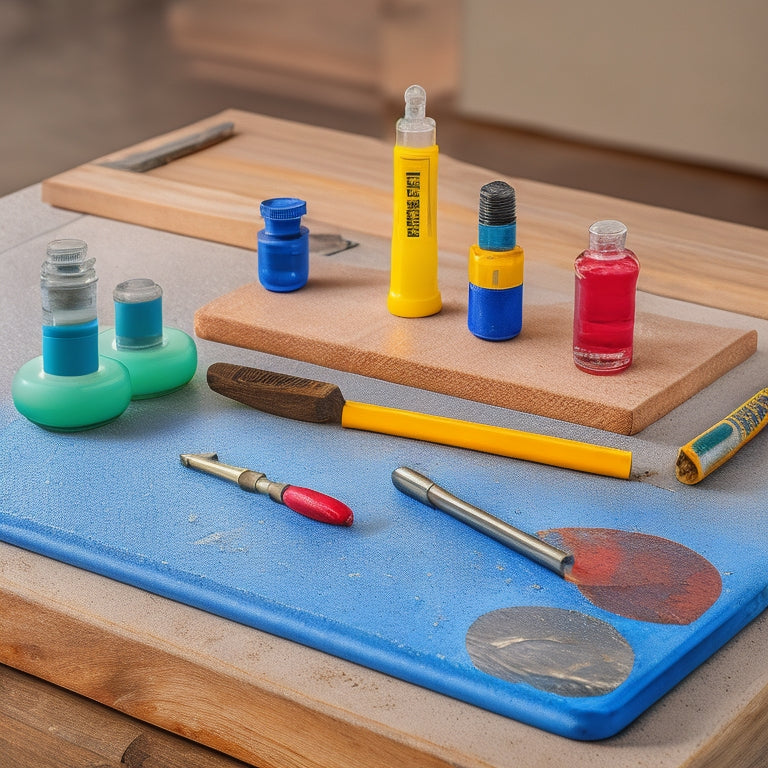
607, 235
68, 283
414, 128
282, 215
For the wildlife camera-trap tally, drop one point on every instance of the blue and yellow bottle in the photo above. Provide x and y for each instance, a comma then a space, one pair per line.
495, 308
159, 359
413, 288
70, 387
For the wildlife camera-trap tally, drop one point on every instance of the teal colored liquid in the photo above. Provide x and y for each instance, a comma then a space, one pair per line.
604, 311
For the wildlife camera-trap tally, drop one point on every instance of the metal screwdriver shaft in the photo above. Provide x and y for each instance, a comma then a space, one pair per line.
428, 492
305, 501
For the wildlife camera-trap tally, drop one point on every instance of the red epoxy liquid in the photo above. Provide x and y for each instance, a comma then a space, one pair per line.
637, 575
604, 305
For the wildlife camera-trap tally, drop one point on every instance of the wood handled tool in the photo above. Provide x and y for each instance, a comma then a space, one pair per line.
316, 401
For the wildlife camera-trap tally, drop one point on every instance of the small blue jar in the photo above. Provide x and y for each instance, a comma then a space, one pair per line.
283, 245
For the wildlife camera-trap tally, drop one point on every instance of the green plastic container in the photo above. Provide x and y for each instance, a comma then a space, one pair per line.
159, 360
69, 387
71, 403
158, 370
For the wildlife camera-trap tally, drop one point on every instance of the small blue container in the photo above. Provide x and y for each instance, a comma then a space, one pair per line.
283, 245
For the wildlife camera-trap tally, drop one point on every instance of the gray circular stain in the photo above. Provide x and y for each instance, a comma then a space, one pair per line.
552, 649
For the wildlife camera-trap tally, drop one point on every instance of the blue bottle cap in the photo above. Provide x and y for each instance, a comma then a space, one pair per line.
282, 215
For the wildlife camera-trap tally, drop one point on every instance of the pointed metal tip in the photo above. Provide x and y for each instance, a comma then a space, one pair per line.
187, 457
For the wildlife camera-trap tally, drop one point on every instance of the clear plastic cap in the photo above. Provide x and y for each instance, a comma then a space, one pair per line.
608, 235
415, 129
138, 314
137, 291
68, 283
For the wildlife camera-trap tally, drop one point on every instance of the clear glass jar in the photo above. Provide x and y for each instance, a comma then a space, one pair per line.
604, 301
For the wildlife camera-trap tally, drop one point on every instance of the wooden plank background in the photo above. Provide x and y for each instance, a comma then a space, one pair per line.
214, 195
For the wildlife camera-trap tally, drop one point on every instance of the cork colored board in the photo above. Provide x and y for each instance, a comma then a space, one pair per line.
340, 320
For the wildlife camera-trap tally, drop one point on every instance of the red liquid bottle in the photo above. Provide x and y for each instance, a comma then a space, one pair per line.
604, 303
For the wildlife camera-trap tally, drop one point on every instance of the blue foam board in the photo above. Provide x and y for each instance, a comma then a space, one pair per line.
399, 590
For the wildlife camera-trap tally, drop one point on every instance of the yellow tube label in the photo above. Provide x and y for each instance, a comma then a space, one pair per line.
413, 203
415, 189
415, 193
413, 279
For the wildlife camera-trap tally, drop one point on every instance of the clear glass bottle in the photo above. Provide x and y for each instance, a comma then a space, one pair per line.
159, 359
604, 302
70, 387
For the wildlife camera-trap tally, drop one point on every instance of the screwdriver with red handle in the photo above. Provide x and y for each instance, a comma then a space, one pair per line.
305, 501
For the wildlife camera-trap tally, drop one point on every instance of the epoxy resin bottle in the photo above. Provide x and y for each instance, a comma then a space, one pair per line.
159, 359
495, 302
70, 387
604, 303
413, 290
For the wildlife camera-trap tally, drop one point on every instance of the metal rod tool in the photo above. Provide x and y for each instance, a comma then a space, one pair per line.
426, 491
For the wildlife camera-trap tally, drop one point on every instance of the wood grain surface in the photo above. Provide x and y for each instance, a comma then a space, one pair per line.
259, 724
214, 194
45, 726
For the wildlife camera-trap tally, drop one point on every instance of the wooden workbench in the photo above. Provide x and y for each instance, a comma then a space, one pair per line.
270, 702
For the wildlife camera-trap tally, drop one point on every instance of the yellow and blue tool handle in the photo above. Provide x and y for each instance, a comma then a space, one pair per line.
712, 448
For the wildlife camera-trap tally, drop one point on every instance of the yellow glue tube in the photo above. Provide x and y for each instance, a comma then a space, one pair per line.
413, 288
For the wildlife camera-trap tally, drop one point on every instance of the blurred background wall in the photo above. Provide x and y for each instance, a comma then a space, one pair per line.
661, 102
680, 78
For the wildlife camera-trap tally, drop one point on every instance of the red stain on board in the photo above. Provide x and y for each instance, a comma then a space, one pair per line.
637, 575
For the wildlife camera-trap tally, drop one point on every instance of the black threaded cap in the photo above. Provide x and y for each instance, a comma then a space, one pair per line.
497, 204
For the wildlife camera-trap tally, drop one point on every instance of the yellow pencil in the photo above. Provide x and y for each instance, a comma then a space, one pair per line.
711, 449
